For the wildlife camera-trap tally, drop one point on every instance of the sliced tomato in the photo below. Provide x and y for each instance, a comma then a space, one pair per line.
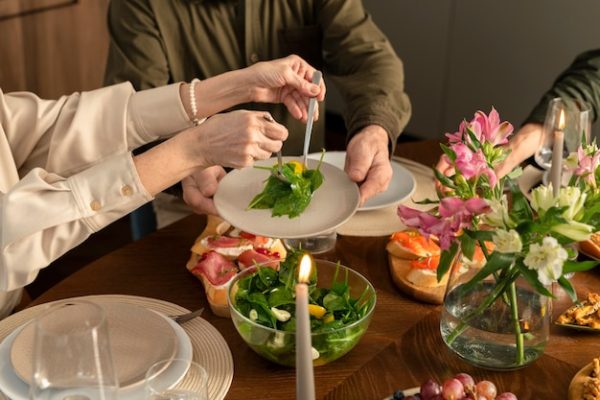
259, 256
217, 269
426, 262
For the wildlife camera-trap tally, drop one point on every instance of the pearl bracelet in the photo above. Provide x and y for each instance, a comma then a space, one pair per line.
195, 119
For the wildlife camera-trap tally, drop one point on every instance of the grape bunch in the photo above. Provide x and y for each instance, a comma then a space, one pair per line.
460, 387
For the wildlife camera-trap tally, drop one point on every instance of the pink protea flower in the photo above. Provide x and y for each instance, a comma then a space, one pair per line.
486, 128
457, 137
455, 215
586, 166
491, 129
463, 209
473, 164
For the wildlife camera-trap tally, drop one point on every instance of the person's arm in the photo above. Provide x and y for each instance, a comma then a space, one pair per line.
362, 63
67, 170
580, 81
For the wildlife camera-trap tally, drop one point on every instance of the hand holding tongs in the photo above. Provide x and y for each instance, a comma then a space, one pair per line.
316, 79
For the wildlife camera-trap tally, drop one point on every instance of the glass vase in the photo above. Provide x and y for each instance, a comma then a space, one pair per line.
491, 325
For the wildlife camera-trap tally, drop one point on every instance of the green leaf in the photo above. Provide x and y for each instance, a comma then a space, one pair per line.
467, 246
578, 266
446, 260
515, 173
475, 143
333, 302
444, 180
520, 210
532, 277
280, 296
486, 236
496, 262
449, 152
565, 284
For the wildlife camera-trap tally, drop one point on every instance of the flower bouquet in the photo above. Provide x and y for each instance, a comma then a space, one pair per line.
496, 315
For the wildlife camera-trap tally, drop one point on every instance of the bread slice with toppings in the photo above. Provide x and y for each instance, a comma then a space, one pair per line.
219, 253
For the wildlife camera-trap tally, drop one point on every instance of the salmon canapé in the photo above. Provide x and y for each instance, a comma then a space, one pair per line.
411, 244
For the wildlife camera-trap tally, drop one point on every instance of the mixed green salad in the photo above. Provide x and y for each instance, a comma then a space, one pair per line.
267, 297
292, 197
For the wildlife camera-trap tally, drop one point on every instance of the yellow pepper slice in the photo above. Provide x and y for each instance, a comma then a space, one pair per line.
328, 318
316, 311
298, 167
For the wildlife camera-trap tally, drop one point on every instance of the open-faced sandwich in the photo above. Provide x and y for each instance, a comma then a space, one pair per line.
413, 261
586, 383
221, 251
591, 247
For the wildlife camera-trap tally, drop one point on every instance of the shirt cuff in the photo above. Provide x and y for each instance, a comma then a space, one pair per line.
157, 113
108, 191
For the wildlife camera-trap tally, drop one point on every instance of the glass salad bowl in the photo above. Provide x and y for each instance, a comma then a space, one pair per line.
262, 306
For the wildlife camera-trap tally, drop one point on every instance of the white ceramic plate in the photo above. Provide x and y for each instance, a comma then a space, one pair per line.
401, 186
16, 389
332, 204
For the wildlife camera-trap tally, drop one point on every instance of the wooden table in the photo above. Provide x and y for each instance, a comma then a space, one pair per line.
401, 349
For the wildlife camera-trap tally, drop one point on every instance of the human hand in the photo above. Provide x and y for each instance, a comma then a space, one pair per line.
200, 187
288, 81
522, 146
367, 161
236, 139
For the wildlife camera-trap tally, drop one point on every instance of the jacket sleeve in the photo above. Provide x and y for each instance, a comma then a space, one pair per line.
362, 63
581, 81
136, 52
67, 170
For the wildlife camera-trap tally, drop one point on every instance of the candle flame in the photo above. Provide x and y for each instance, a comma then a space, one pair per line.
305, 267
561, 120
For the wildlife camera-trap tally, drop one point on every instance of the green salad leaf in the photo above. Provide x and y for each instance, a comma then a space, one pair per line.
288, 198
334, 329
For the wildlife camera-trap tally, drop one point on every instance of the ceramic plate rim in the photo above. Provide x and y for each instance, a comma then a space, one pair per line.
138, 379
582, 328
381, 200
243, 184
184, 351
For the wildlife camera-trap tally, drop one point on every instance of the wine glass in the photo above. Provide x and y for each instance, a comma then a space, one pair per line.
72, 357
318, 244
160, 385
576, 126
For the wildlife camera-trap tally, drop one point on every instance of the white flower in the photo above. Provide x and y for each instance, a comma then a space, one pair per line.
542, 198
547, 259
507, 241
576, 231
572, 198
572, 161
498, 214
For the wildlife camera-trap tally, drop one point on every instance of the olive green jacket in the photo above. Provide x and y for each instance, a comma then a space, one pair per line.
156, 42
581, 81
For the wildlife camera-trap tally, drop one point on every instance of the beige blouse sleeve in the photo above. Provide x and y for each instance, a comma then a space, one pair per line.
66, 168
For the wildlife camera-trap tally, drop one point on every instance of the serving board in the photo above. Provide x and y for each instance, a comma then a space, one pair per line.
399, 267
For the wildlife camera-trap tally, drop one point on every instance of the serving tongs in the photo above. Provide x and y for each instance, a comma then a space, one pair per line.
279, 174
316, 79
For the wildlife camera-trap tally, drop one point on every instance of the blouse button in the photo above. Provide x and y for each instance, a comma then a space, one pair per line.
95, 205
126, 190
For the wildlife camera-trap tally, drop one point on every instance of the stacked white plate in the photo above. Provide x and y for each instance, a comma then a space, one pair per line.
140, 335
